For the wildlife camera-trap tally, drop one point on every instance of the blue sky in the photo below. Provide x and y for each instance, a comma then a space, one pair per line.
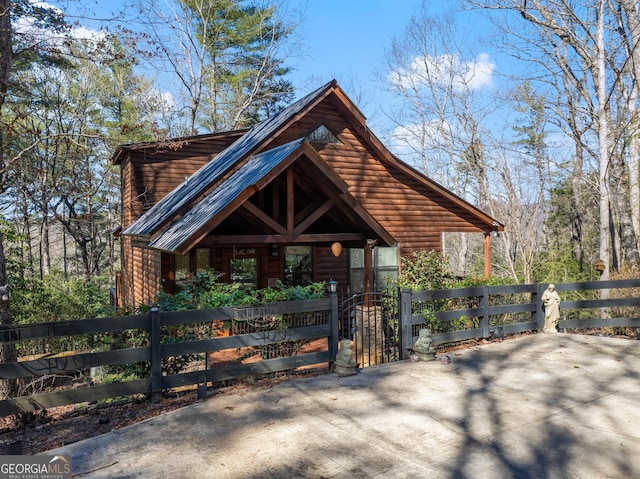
342, 39
346, 40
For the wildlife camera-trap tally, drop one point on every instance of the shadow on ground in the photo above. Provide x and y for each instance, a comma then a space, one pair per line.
537, 406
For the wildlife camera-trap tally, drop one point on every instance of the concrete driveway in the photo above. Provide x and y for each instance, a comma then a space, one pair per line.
539, 406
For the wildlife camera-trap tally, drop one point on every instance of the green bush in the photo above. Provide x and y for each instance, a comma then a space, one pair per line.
56, 298
203, 292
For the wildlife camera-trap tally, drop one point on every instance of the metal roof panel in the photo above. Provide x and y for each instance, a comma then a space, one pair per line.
247, 176
194, 186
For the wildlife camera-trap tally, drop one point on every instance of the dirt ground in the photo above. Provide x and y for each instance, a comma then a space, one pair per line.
48, 429
44, 430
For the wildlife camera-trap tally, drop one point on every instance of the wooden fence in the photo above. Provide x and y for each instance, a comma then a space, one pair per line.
455, 315
452, 315
276, 323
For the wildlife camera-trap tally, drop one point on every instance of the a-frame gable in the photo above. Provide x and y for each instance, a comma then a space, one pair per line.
232, 195
176, 202
182, 199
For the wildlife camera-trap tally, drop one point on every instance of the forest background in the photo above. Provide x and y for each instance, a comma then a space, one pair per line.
541, 133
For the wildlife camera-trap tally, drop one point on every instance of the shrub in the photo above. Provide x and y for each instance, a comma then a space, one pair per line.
203, 292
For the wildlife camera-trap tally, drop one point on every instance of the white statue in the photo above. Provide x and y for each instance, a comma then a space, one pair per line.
551, 302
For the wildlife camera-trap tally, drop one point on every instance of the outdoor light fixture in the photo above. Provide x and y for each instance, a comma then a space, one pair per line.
332, 286
336, 249
274, 250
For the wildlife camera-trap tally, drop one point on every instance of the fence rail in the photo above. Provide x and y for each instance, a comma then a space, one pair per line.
453, 315
158, 349
483, 315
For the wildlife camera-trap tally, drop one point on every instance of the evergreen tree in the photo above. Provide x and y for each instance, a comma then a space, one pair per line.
228, 57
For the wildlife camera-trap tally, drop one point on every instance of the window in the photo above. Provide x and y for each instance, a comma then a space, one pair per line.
298, 266
356, 270
203, 260
182, 271
322, 134
244, 271
386, 265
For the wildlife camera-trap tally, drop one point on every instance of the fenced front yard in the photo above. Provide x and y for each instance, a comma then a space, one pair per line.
176, 350
168, 350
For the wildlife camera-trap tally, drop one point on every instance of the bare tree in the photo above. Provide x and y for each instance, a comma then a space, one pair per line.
441, 112
227, 60
585, 53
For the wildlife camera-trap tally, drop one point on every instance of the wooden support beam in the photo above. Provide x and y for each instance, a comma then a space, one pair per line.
487, 255
313, 217
304, 238
264, 218
290, 201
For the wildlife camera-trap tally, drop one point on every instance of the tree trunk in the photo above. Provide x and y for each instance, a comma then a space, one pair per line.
45, 255
8, 387
633, 26
603, 139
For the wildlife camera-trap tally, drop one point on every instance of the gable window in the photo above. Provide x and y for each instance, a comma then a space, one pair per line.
322, 134
298, 266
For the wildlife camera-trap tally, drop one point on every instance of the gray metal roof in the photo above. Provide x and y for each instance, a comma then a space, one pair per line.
202, 179
240, 181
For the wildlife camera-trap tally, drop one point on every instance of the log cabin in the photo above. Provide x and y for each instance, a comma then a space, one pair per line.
309, 194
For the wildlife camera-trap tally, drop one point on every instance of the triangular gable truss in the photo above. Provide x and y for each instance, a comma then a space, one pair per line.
167, 212
232, 195
176, 202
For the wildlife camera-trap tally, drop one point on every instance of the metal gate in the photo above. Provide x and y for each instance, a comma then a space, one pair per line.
370, 321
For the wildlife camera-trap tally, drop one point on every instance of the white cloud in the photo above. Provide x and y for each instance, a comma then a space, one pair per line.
446, 71
29, 27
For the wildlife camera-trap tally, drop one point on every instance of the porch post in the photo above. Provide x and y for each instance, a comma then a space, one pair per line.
334, 338
156, 354
487, 255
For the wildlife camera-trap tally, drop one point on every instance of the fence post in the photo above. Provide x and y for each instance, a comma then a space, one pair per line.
484, 304
156, 354
539, 311
404, 328
333, 340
